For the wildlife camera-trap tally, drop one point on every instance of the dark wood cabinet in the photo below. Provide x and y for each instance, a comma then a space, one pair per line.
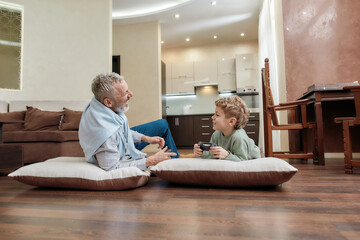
252, 127
203, 128
190, 129
182, 130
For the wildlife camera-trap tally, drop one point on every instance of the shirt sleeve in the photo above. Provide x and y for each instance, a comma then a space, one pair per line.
108, 156
136, 136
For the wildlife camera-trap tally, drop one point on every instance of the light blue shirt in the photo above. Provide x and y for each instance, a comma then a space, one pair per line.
108, 156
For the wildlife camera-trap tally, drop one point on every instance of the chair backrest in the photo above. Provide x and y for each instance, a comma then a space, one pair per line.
267, 95
356, 91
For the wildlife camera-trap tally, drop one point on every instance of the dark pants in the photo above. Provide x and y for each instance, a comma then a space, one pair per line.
156, 128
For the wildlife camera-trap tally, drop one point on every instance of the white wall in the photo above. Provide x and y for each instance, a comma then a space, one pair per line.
206, 52
139, 48
66, 44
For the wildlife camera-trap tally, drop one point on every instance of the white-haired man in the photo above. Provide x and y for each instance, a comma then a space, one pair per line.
105, 135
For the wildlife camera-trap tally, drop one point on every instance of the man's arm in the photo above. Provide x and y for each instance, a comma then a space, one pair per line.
108, 156
138, 138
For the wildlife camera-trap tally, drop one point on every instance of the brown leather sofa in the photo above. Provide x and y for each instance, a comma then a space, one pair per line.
43, 134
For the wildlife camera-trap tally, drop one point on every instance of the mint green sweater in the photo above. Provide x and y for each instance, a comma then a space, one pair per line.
240, 146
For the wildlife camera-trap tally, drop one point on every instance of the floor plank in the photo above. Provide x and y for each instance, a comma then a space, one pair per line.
319, 202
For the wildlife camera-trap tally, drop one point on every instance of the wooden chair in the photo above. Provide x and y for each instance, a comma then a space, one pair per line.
296, 109
348, 122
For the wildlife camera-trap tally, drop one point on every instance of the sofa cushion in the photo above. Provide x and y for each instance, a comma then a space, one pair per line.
36, 119
40, 136
13, 116
76, 173
71, 120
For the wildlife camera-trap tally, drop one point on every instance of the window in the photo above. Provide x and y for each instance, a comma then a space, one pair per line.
11, 18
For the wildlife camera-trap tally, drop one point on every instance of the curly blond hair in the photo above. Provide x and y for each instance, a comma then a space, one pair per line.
235, 107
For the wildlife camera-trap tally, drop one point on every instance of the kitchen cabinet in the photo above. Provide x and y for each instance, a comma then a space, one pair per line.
181, 128
247, 71
168, 79
182, 78
190, 129
203, 128
226, 75
205, 72
252, 127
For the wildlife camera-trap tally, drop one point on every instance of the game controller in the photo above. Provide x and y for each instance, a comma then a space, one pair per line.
205, 146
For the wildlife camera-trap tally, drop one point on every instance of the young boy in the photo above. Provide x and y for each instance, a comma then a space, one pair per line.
231, 115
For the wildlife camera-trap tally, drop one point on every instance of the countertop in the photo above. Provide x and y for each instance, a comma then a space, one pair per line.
252, 110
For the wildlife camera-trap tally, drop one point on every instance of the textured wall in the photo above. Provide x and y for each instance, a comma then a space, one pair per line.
66, 44
322, 40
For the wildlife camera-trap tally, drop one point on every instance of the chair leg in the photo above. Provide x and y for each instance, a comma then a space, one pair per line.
347, 148
270, 151
304, 142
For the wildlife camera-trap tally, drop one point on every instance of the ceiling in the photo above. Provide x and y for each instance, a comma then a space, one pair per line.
199, 20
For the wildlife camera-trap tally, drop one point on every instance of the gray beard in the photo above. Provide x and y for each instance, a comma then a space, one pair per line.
122, 109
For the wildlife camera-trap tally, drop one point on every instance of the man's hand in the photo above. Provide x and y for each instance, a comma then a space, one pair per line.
154, 140
197, 150
219, 152
159, 157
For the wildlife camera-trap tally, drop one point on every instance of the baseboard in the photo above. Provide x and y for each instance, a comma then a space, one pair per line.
340, 155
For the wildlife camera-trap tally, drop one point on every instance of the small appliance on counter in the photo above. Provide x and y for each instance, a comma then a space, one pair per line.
247, 89
187, 109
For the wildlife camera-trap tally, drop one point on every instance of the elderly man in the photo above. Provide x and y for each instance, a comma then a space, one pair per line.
105, 135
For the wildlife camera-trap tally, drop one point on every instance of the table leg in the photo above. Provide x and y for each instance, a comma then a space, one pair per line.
1, 126
319, 132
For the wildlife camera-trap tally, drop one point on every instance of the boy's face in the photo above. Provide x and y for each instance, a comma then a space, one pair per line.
220, 122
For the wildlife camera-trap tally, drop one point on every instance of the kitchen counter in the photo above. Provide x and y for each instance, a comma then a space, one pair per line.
252, 110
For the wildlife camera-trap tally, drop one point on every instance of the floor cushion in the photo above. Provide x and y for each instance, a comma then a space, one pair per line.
76, 173
224, 173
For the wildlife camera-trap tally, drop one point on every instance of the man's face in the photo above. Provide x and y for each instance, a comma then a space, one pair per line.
121, 96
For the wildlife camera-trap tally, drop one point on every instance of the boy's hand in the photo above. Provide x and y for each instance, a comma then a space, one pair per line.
219, 152
197, 150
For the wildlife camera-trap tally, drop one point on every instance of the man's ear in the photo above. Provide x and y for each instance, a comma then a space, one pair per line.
108, 102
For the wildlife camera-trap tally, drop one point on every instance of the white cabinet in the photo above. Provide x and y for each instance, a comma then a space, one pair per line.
182, 86
182, 78
182, 70
247, 71
168, 79
226, 75
205, 72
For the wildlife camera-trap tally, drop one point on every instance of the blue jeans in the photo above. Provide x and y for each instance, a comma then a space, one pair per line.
156, 128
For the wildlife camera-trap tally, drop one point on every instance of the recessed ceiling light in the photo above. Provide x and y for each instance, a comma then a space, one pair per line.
177, 15
188, 39
162, 42
244, 58
304, 13
223, 59
214, 36
242, 34
213, 3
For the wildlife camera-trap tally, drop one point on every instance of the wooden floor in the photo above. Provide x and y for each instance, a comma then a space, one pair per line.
320, 202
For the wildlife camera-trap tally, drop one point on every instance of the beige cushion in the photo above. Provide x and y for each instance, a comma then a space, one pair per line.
76, 173
223, 173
